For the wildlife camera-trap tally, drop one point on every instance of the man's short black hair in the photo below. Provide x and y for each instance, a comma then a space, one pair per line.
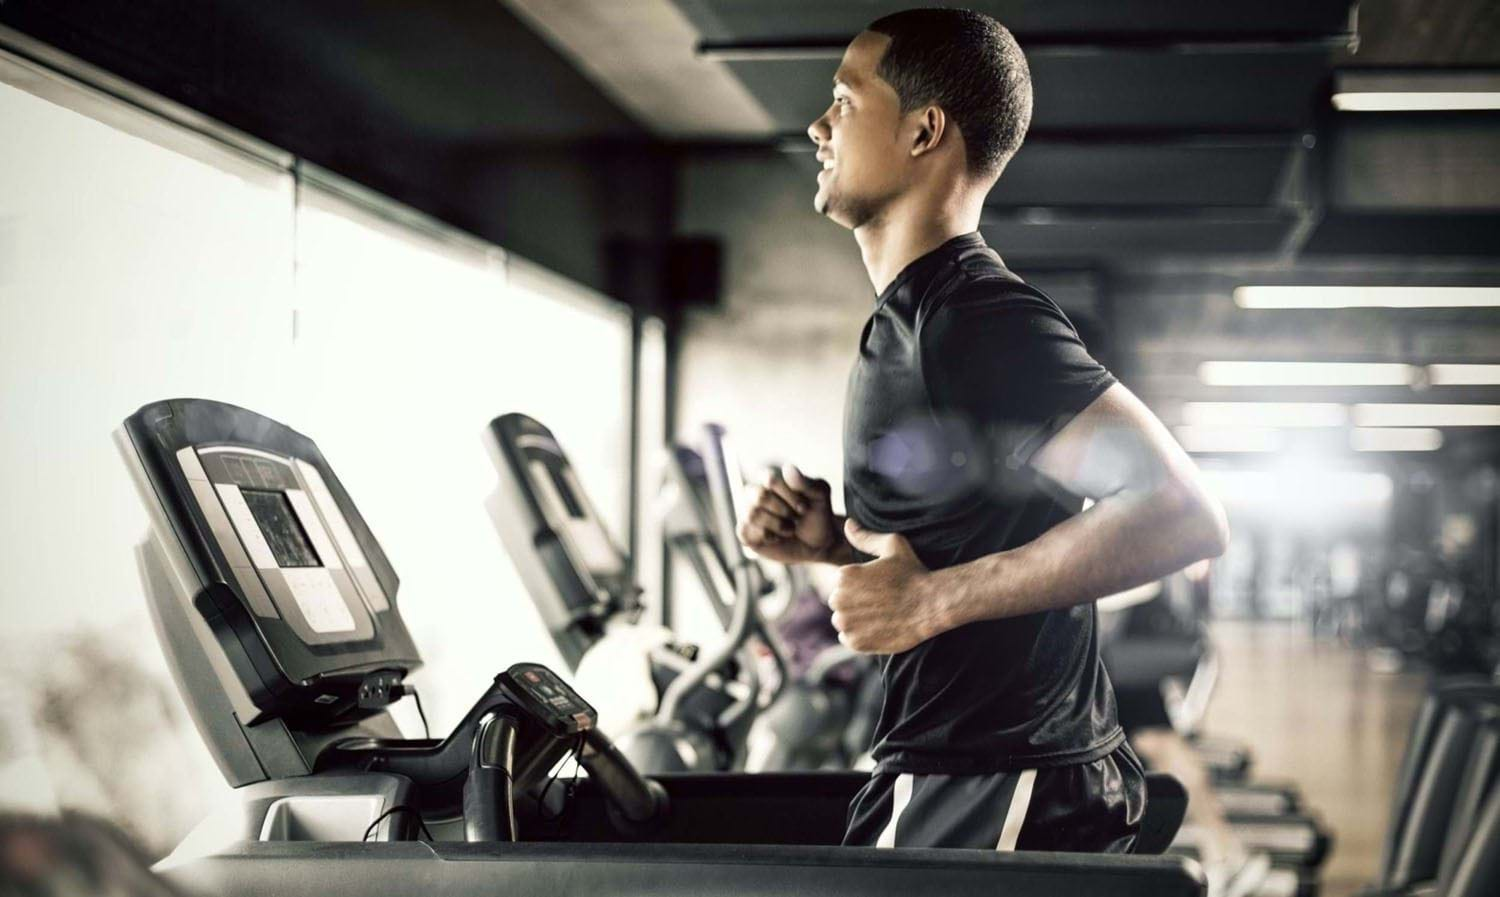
971, 66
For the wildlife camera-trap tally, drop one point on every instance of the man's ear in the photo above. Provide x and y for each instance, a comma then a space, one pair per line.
932, 125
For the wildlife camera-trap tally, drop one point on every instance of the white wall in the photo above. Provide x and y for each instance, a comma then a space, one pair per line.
141, 262
772, 360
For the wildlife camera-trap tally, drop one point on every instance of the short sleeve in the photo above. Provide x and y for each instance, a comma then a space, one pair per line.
1007, 362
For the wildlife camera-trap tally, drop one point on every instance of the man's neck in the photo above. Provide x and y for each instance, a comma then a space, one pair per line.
907, 231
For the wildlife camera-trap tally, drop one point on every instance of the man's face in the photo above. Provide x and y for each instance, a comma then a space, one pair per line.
859, 138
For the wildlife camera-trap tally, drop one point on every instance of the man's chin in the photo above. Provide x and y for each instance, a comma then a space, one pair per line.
825, 206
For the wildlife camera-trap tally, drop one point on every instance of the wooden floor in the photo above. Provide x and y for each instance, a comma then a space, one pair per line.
1317, 714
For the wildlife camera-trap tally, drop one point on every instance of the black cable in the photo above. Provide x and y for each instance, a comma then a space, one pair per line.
426, 730
398, 691
568, 803
576, 755
400, 808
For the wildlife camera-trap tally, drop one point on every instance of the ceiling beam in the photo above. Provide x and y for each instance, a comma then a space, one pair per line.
831, 47
642, 54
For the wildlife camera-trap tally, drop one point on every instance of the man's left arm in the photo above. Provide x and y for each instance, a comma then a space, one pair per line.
1151, 516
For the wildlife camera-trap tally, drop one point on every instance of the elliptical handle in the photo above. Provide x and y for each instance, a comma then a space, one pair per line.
744, 621
718, 462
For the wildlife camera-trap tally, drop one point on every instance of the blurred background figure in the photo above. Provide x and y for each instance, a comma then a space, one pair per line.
72, 855
49, 852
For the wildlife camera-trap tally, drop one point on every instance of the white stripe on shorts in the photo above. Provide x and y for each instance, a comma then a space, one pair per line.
1016, 815
900, 797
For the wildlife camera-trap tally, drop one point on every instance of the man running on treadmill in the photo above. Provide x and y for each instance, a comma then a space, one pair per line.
975, 426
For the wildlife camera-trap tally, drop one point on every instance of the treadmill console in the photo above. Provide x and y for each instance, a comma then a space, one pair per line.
576, 573
272, 599
548, 700
288, 545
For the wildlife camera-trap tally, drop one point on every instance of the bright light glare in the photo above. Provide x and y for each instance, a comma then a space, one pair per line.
1415, 101
1395, 439
1365, 297
1228, 439
1464, 374
1416, 415
1299, 491
1263, 414
1304, 373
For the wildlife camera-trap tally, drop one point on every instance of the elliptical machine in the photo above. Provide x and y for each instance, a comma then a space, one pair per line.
821, 713
683, 708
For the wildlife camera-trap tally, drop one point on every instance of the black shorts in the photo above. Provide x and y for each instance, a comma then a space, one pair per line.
1088, 807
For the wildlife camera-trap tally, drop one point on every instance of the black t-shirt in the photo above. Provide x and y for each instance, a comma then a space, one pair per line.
964, 371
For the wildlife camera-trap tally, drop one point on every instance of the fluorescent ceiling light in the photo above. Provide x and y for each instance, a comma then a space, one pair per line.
1304, 373
1340, 373
1415, 90
1365, 297
1395, 439
1299, 492
1464, 374
1416, 101
1198, 440
1263, 414
1415, 415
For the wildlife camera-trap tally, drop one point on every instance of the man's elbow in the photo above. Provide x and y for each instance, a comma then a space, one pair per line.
1216, 527
1203, 518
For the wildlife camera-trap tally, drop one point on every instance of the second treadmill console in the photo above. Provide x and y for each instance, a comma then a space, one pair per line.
548, 700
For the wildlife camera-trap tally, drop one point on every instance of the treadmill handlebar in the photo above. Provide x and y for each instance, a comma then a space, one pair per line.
638, 802
523, 723
425, 761
489, 798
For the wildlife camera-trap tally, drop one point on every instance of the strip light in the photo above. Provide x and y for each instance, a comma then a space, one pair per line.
1198, 440
1416, 415
1303, 296
1299, 492
1305, 373
1416, 101
1338, 373
1263, 414
1415, 90
1395, 439
1464, 374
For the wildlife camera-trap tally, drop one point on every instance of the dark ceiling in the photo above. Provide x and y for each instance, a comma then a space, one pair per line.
1178, 146
1162, 127
1181, 148
1178, 128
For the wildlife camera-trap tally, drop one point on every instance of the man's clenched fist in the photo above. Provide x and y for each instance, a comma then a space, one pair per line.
790, 520
886, 605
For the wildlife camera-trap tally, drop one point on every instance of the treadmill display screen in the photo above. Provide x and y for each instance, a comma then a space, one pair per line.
277, 520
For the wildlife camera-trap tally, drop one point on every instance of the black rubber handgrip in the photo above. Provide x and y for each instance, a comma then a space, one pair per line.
489, 803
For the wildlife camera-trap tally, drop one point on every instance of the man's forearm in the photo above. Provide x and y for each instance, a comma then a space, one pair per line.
1123, 541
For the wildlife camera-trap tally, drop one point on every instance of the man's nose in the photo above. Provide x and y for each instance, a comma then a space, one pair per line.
817, 132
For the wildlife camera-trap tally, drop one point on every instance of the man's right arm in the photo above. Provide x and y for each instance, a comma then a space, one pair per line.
790, 520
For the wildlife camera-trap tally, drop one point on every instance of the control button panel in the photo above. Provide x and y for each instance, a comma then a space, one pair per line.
548, 699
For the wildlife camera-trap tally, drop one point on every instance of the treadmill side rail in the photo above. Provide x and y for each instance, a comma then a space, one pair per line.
565, 870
